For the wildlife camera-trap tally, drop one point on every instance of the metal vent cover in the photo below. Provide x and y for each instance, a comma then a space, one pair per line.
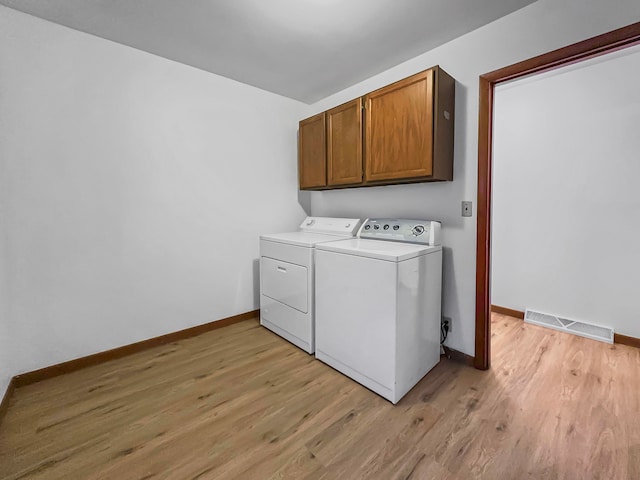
583, 329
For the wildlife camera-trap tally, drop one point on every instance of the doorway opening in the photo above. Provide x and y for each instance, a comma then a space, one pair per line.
593, 47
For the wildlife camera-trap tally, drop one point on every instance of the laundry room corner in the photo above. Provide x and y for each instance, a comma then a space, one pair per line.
144, 219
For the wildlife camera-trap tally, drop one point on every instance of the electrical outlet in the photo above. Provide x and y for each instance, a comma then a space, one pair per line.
467, 208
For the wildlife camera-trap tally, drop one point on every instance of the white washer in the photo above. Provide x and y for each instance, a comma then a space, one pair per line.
287, 273
378, 303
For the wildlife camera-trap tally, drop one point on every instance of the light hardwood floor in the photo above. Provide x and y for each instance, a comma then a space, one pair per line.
242, 403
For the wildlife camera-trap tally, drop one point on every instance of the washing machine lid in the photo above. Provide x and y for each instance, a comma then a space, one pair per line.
300, 239
378, 249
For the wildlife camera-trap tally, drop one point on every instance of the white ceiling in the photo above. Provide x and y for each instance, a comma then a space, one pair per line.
303, 49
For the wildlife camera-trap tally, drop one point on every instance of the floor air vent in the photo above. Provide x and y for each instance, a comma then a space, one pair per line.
595, 332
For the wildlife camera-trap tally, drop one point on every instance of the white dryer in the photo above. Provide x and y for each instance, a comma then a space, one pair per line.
378, 303
287, 277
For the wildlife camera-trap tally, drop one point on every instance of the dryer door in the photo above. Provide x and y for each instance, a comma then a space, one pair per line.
285, 282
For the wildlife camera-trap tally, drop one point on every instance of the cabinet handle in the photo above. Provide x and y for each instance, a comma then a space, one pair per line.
282, 269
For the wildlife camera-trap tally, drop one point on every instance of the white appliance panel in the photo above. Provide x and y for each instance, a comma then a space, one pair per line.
301, 239
357, 305
419, 313
378, 304
287, 322
287, 253
382, 250
285, 282
346, 227
287, 277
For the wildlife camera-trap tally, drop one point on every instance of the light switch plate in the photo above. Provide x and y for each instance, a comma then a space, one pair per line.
467, 208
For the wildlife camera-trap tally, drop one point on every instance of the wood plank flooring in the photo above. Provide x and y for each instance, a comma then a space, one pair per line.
242, 403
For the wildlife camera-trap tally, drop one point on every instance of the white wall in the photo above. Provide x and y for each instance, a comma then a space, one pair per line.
6, 347
536, 29
566, 206
137, 188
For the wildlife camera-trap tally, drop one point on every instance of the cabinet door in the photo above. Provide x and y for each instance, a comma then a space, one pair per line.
312, 163
344, 143
399, 122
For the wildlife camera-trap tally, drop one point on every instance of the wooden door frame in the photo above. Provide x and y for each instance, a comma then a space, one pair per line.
592, 47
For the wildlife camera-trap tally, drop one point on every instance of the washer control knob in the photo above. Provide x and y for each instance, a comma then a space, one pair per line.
376, 227
418, 230
367, 227
386, 227
396, 227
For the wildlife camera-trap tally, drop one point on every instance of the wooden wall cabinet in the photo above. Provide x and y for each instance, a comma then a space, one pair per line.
312, 153
401, 133
330, 148
344, 144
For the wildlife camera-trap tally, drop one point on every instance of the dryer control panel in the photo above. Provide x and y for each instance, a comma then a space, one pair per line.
347, 227
425, 232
